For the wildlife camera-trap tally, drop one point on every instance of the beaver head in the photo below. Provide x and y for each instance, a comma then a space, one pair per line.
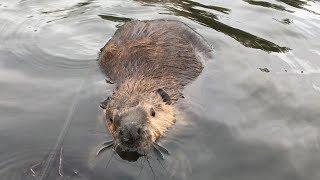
137, 116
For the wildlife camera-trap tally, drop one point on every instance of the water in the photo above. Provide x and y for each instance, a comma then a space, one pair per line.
239, 122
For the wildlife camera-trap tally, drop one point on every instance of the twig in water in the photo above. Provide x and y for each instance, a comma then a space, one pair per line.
60, 169
33, 167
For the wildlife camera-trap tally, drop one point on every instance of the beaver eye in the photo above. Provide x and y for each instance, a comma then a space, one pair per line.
152, 112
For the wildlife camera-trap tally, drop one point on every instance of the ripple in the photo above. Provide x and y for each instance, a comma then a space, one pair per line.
74, 7
267, 5
114, 18
295, 4
297, 64
15, 166
206, 18
187, 2
37, 49
299, 4
48, 40
232, 107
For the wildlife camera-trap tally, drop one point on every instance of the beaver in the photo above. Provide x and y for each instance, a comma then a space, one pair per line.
150, 62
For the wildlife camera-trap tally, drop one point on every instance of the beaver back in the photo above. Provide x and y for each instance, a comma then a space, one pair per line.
153, 49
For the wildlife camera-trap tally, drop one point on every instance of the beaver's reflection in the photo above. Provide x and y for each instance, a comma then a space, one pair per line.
130, 156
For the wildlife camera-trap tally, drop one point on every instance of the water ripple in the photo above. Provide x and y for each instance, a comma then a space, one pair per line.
206, 18
73, 45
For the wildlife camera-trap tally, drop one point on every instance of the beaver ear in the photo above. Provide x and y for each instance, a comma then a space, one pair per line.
105, 103
165, 96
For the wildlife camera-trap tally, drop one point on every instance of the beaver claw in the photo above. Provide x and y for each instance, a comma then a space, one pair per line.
104, 103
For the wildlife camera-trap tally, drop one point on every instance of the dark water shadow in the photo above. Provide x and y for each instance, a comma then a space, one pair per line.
77, 9
190, 11
196, 4
267, 5
285, 21
298, 4
76, 6
186, 2
294, 3
114, 18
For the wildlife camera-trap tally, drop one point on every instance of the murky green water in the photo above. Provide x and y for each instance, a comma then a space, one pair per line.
252, 114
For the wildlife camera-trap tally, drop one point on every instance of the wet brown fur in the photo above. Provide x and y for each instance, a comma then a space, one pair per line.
144, 56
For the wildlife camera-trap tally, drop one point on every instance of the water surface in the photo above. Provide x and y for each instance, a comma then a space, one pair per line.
252, 114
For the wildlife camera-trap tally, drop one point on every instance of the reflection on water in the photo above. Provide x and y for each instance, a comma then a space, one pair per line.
267, 4
74, 7
294, 3
252, 114
189, 10
114, 18
284, 21
74, 10
196, 4
299, 4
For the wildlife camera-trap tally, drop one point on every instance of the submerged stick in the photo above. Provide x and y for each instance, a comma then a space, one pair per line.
32, 168
52, 155
60, 169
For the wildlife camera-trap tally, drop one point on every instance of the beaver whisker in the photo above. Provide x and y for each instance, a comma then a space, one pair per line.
110, 159
161, 149
105, 146
163, 166
154, 175
157, 153
142, 166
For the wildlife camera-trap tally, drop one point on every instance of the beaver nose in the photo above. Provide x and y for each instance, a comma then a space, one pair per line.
130, 133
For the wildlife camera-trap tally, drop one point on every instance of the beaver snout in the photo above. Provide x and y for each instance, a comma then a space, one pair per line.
130, 134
